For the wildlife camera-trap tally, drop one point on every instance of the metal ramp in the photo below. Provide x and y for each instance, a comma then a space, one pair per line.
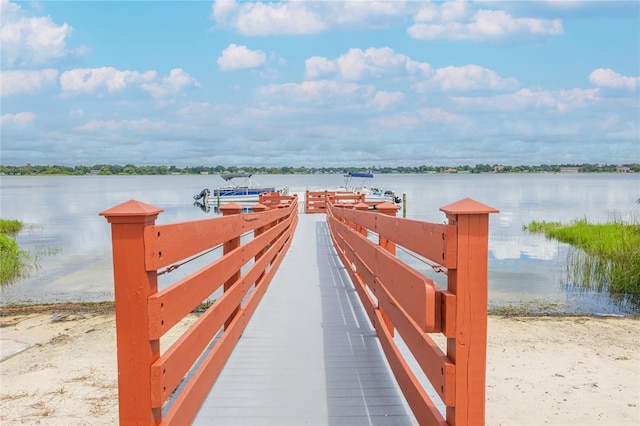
309, 355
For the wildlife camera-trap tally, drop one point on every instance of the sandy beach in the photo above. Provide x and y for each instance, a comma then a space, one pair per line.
540, 370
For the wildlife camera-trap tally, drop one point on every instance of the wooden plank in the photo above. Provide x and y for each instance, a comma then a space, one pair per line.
188, 402
433, 241
190, 399
411, 289
435, 364
168, 307
170, 369
170, 243
342, 248
423, 408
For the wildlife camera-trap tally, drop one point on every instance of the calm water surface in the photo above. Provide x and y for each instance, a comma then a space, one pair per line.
61, 215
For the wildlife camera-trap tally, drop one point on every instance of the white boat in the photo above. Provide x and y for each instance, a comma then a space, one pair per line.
240, 188
355, 182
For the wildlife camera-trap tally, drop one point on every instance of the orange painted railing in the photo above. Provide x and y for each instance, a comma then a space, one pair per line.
316, 201
398, 298
252, 245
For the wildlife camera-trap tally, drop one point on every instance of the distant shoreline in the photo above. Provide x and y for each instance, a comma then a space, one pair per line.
155, 170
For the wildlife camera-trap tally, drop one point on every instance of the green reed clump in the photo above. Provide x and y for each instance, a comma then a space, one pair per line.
10, 226
14, 262
608, 255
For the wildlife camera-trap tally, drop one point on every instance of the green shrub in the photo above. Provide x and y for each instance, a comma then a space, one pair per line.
10, 226
13, 260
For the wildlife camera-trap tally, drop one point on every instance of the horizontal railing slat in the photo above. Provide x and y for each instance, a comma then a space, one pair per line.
436, 242
169, 306
423, 408
411, 289
186, 239
188, 402
172, 366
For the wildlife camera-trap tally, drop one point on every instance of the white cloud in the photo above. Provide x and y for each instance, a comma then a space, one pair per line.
455, 21
140, 126
421, 117
526, 99
305, 17
435, 115
369, 14
319, 93
611, 79
468, 77
357, 64
237, 57
20, 119
30, 40
90, 80
171, 85
24, 81
98, 80
195, 108
385, 100
257, 18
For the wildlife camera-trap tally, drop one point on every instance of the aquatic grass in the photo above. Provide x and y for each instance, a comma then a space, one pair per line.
14, 262
10, 226
605, 256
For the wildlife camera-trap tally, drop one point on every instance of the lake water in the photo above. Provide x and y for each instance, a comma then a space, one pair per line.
73, 246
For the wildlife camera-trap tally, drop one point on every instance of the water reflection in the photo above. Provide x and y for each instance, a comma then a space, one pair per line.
522, 247
205, 207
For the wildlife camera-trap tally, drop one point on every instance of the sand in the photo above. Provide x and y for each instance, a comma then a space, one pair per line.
548, 370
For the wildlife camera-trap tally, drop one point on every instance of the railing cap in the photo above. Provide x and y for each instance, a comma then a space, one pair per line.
231, 208
468, 206
132, 208
259, 207
385, 205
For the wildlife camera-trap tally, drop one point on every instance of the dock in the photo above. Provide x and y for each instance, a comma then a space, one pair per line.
315, 320
309, 355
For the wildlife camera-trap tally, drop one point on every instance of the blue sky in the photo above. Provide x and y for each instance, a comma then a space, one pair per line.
320, 83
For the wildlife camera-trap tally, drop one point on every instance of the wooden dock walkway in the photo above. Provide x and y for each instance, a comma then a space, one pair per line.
309, 355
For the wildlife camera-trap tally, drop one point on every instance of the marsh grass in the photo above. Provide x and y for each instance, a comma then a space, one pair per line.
14, 262
10, 227
606, 257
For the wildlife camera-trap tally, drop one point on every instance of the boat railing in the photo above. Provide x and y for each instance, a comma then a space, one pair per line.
398, 298
168, 386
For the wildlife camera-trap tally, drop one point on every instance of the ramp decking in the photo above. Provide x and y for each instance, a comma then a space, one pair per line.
309, 355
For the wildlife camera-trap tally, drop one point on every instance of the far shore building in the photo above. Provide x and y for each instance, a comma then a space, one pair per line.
623, 169
569, 169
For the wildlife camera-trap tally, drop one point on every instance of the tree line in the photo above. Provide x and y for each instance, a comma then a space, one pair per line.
131, 169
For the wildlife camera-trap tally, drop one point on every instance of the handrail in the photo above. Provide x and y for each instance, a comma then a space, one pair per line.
148, 379
315, 201
397, 297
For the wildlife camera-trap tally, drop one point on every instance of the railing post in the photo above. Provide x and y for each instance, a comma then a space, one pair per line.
363, 207
259, 231
227, 210
133, 285
469, 282
390, 210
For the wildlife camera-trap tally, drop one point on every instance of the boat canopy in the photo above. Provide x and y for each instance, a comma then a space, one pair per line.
229, 176
359, 175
